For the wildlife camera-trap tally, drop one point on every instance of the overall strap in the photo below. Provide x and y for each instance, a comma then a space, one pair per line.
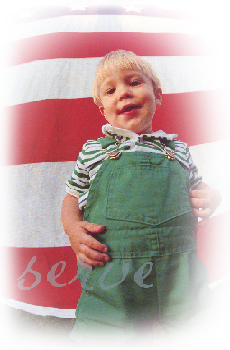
106, 141
169, 143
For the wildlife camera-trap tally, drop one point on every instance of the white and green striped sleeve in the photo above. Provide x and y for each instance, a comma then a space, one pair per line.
194, 177
89, 161
185, 159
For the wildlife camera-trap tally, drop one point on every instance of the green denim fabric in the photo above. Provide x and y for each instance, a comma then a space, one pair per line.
154, 273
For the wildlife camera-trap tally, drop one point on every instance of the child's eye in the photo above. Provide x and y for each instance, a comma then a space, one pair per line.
110, 91
135, 82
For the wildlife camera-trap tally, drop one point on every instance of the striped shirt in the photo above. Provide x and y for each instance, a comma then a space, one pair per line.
92, 156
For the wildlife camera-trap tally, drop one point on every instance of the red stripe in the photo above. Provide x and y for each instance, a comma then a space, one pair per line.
54, 130
213, 249
45, 293
83, 45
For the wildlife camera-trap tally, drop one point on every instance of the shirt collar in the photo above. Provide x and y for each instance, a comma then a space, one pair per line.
123, 134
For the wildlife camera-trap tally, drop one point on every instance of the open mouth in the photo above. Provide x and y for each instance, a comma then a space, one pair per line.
129, 108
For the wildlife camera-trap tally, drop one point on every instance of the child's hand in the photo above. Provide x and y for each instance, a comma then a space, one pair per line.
85, 246
204, 201
80, 233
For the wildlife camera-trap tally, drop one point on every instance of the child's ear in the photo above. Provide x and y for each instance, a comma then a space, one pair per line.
158, 96
101, 109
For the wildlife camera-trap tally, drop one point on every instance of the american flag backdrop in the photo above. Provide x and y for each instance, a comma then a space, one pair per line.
50, 57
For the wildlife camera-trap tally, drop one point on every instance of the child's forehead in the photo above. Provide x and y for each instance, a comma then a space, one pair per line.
114, 74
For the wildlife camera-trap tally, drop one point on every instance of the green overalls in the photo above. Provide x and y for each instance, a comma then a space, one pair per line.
154, 274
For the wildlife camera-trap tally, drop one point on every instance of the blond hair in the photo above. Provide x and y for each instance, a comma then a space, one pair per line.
121, 59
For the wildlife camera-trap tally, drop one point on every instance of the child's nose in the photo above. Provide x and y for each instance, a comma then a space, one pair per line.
125, 92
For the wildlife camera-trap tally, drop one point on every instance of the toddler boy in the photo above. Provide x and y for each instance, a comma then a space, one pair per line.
133, 203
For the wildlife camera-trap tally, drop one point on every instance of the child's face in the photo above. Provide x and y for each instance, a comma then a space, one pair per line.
128, 100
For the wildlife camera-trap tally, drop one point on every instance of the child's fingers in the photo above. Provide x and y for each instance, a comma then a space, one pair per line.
198, 193
93, 243
90, 241
205, 198
202, 213
93, 254
200, 202
86, 245
89, 260
203, 222
92, 228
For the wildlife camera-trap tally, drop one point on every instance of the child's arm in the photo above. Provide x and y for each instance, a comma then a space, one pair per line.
205, 197
80, 233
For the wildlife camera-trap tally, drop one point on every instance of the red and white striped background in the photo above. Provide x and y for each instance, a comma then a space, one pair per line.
48, 107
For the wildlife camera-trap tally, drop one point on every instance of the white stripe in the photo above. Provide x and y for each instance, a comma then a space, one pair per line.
73, 78
34, 192
39, 310
215, 284
102, 23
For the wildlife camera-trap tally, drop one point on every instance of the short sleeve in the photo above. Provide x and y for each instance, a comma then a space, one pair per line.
194, 177
89, 161
184, 157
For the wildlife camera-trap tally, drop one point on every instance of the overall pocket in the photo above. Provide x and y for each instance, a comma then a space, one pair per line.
146, 193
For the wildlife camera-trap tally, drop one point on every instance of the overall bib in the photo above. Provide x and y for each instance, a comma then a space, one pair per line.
154, 273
